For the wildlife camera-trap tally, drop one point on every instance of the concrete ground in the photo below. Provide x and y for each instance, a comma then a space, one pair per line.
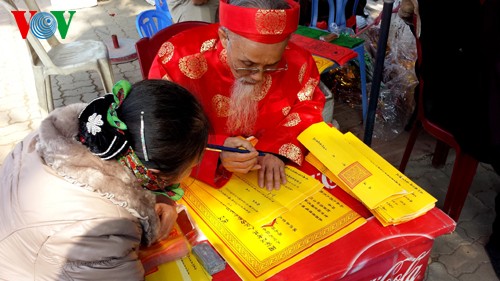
456, 256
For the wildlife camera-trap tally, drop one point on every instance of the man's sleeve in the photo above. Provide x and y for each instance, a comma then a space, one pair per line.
209, 170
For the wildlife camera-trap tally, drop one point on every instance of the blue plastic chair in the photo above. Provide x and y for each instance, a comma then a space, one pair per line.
337, 16
151, 21
161, 6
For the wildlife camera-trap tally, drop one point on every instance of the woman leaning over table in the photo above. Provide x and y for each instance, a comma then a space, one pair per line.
78, 196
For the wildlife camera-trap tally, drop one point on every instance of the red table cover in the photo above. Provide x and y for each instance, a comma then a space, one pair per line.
338, 54
371, 252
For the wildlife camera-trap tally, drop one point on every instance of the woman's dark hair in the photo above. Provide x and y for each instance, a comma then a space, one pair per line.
175, 126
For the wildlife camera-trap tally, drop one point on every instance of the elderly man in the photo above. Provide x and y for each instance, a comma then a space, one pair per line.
252, 82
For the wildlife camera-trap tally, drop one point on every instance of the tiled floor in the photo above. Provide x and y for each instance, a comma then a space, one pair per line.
457, 256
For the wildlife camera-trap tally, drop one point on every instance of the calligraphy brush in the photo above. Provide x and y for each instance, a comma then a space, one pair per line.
220, 148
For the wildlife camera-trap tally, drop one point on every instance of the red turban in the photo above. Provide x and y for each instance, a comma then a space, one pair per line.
261, 25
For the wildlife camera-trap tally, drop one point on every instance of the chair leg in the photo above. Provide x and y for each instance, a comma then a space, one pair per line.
41, 90
44, 91
107, 75
48, 94
440, 154
463, 173
360, 50
417, 127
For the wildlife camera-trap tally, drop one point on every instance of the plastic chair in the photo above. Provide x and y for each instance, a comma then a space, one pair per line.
150, 22
337, 16
65, 59
147, 48
465, 165
161, 6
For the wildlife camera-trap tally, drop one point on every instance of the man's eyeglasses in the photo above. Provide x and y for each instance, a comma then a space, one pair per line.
254, 70
244, 71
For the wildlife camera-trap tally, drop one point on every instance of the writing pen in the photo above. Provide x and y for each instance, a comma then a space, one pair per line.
220, 148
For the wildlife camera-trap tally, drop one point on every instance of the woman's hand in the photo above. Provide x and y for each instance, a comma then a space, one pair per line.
167, 215
239, 162
272, 172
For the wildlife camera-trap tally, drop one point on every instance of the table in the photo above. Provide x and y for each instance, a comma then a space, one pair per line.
371, 252
120, 50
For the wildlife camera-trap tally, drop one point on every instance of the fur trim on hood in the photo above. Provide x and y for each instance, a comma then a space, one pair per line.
58, 147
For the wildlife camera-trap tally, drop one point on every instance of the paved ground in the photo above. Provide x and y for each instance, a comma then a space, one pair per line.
457, 256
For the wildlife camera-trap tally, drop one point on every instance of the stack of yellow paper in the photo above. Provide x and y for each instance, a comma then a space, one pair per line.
387, 193
187, 268
257, 251
264, 205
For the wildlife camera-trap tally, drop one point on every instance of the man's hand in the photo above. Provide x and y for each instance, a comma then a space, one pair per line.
239, 162
167, 215
199, 2
272, 172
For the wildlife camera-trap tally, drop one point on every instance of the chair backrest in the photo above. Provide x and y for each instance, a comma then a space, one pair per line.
147, 48
161, 6
40, 51
336, 13
149, 22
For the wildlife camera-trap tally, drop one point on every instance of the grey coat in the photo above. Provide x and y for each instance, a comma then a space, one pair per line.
65, 214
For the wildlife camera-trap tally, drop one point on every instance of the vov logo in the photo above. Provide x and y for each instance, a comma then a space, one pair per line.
43, 25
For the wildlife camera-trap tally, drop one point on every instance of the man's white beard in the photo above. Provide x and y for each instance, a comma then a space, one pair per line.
243, 110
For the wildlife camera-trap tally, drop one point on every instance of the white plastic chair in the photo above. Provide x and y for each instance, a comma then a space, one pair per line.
66, 59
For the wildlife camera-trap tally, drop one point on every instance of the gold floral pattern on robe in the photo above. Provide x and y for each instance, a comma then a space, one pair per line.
292, 120
166, 52
193, 66
270, 21
285, 110
302, 72
292, 152
266, 85
220, 105
223, 57
208, 45
307, 91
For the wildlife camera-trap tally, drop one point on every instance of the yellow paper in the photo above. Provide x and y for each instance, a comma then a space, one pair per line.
404, 208
259, 206
323, 169
322, 63
184, 269
351, 168
259, 252
395, 209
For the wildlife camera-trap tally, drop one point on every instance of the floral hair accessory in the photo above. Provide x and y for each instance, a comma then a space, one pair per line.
120, 92
100, 129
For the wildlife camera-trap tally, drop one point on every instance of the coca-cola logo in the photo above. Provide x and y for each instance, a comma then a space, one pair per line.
325, 181
398, 273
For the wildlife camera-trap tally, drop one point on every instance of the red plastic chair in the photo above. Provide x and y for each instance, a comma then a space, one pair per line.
465, 165
147, 48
